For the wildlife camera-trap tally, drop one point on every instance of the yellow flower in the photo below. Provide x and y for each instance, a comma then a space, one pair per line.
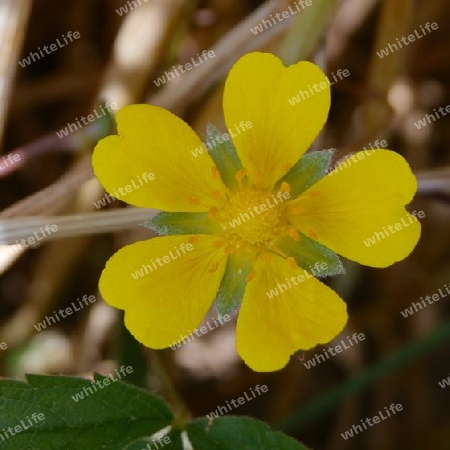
166, 285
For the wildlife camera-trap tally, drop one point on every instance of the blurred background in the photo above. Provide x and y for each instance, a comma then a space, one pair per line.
46, 178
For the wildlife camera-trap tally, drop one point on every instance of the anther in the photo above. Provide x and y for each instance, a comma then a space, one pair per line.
285, 187
297, 210
250, 276
266, 257
292, 264
212, 212
293, 233
312, 233
215, 172
313, 194
216, 194
194, 200
218, 243
240, 174
213, 267
194, 239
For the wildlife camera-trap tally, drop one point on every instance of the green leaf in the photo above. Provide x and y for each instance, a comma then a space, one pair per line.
310, 256
307, 171
225, 156
182, 223
116, 416
111, 417
232, 286
175, 443
238, 433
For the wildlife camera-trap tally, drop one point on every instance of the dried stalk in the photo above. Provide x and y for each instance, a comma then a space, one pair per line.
13, 22
235, 43
14, 230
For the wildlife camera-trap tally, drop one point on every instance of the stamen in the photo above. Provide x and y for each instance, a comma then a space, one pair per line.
266, 257
285, 187
212, 212
240, 174
194, 239
292, 263
243, 226
313, 194
213, 267
215, 172
312, 233
297, 210
287, 167
217, 194
218, 243
250, 276
194, 200
293, 233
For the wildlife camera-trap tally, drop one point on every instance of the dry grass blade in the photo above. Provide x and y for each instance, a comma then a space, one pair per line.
13, 21
13, 230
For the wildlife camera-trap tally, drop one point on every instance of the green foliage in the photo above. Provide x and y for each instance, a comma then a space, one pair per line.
238, 433
109, 418
74, 413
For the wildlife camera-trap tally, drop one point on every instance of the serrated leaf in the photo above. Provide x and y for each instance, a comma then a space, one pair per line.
238, 433
310, 256
110, 417
232, 286
175, 443
307, 171
182, 223
225, 156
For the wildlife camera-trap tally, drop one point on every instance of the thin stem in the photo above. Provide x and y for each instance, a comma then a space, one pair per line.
182, 413
13, 230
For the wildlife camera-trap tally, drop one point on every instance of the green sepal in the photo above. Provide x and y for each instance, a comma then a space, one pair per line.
167, 223
308, 252
224, 154
232, 287
307, 171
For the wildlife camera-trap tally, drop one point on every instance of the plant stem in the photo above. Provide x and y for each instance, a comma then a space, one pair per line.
182, 413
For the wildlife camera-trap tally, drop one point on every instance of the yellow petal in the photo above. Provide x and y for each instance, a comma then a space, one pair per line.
269, 330
171, 296
258, 90
153, 140
357, 202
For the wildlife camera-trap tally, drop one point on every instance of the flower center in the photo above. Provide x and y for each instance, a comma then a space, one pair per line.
253, 218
